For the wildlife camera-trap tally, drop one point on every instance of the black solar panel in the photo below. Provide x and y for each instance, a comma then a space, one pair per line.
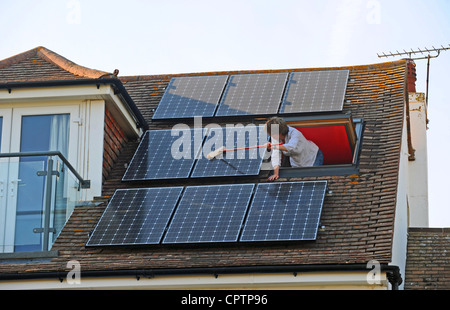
163, 156
233, 163
191, 96
210, 214
135, 216
256, 94
285, 211
315, 91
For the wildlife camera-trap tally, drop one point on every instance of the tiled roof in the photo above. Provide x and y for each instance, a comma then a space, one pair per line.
427, 262
42, 64
357, 220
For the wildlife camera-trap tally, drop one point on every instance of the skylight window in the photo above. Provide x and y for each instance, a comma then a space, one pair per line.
339, 137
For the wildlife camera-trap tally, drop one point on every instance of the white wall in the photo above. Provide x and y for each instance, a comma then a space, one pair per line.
412, 191
400, 238
92, 121
418, 169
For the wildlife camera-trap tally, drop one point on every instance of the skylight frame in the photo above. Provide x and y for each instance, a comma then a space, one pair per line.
355, 129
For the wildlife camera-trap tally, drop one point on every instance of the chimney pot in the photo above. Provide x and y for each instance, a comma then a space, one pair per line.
412, 76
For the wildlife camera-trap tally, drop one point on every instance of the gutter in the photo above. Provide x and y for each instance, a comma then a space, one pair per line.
392, 272
115, 83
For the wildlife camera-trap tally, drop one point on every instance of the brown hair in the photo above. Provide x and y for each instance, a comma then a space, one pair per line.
283, 128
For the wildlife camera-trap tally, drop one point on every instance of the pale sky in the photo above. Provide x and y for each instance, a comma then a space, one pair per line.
181, 36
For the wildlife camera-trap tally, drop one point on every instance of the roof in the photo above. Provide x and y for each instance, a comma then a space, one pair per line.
40, 64
427, 262
357, 220
41, 67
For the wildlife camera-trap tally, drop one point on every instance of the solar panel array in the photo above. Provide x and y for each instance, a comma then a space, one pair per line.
191, 96
253, 94
287, 211
315, 91
266, 212
165, 154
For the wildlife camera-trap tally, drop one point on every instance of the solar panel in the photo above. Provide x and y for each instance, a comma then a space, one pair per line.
135, 216
285, 211
191, 96
210, 214
252, 94
315, 91
163, 156
232, 163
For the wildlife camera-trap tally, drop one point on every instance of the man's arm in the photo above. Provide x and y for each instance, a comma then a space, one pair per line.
275, 159
279, 147
276, 173
294, 141
276, 154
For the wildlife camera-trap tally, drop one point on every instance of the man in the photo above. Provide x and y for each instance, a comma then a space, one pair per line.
301, 152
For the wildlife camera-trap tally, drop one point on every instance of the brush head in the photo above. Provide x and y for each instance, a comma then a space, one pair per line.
214, 154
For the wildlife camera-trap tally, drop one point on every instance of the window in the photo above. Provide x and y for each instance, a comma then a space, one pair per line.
338, 136
29, 219
39, 133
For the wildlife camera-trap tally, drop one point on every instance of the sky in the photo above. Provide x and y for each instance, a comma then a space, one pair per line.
145, 37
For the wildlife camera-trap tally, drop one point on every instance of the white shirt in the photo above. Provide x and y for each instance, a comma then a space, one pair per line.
302, 152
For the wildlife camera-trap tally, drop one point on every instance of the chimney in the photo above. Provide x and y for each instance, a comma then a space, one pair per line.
418, 210
411, 75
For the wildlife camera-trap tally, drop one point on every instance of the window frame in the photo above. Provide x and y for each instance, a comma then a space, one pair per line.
354, 128
13, 134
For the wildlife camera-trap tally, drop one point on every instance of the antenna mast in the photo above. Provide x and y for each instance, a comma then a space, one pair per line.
436, 52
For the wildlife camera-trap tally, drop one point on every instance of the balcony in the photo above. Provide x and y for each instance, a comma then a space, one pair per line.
38, 192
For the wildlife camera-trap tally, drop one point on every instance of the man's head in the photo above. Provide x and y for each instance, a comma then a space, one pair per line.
276, 127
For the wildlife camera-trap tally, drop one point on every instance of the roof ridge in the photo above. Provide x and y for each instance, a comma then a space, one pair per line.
55, 59
146, 77
68, 65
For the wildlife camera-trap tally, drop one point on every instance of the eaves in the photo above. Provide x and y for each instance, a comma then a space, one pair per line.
116, 84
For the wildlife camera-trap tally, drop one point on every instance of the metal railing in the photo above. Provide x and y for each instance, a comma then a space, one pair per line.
83, 183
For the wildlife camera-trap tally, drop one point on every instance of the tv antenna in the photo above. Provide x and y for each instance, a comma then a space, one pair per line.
432, 53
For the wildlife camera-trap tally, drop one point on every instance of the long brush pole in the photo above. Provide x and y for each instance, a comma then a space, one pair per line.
220, 150
247, 148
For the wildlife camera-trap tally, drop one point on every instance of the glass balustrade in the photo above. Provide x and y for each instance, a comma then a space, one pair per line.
38, 192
